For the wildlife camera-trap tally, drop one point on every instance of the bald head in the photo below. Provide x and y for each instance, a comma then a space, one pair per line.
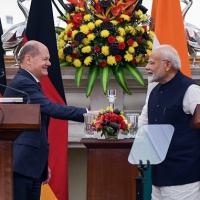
34, 57
32, 48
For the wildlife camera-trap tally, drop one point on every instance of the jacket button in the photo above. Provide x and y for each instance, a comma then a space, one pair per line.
157, 106
155, 119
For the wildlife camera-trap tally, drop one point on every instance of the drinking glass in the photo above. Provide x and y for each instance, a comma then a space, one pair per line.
132, 120
111, 95
89, 128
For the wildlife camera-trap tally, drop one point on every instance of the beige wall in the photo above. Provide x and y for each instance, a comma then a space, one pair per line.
77, 173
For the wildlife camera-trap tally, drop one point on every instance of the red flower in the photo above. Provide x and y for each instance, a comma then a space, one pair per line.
145, 28
118, 58
139, 40
97, 49
103, 63
77, 18
120, 20
111, 39
69, 33
98, 8
110, 119
75, 26
123, 125
121, 45
130, 42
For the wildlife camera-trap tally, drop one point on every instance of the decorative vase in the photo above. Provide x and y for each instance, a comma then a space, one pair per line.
109, 135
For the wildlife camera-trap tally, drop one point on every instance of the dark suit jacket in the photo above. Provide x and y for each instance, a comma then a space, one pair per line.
31, 147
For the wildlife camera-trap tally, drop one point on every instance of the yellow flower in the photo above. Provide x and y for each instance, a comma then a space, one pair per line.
138, 28
138, 58
91, 26
60, 54
111, 60
98, 22
129, 29
91, 36
88, 60
128, 57
133, 31
87, 17
74, 33
114, 22
69, 27
151, 35
77, 63
149, 44
125, 17
135, 44
68, 58
121, 31
79, 9
65, 38
104, 33
61, 44
86, 49
143, 18
86, 41
119, 39
138, 13
62, 34
105, 50
148, 52
84, 29
109, 108
131, 50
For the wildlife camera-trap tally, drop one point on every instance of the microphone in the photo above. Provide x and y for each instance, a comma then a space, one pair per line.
19, 91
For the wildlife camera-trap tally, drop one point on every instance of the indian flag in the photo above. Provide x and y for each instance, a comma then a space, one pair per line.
169, 29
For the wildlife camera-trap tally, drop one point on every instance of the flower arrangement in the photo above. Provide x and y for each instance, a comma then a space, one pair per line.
110, 122
106, 36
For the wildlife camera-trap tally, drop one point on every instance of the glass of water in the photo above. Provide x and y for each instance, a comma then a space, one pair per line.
132, 120
89, 128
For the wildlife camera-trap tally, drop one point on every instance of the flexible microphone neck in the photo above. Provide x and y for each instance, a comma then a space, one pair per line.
19, 91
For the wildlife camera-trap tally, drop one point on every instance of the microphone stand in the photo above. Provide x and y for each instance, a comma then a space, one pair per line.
140, 179
18, 91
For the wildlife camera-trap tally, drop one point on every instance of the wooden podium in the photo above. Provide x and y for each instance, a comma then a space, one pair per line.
109, 175
13, 119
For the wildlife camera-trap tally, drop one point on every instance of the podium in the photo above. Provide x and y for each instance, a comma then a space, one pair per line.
109, 175
14, 118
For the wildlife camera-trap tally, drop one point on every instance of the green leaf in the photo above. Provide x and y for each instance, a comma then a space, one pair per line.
78, 75
119, 75
59, 30
105, 73
63, 64
63, 18
92, 75
136, 74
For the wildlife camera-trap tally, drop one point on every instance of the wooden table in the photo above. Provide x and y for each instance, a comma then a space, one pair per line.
109, 175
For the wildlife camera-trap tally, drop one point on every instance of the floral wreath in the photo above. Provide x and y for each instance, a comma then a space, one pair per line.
106, 36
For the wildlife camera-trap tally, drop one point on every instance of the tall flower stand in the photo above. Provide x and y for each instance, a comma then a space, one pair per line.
109, 175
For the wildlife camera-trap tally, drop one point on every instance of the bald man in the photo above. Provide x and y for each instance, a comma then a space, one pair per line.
31, 147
